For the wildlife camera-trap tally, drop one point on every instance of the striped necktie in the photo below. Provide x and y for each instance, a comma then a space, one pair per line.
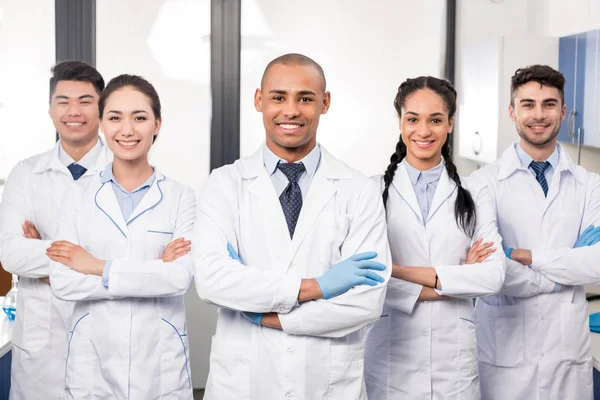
540, 167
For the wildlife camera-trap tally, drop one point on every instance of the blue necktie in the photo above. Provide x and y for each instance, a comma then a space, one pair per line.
76, 170
291, 198
540, 167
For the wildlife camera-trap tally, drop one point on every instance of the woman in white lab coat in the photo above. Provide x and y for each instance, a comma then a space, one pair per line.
118, 262
443, 237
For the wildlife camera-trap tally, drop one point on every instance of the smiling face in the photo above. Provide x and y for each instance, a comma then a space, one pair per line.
425, 126
537, 112
129, 124
292, 99
74, 112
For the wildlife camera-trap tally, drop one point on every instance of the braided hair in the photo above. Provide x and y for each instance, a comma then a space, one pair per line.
464, 208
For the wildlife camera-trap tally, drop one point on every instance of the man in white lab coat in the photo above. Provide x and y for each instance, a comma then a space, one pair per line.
28, 219
313, 254
533, 338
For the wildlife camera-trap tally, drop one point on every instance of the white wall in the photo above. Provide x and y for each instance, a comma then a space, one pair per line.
27, 52
479, 20
366, 48
167, 42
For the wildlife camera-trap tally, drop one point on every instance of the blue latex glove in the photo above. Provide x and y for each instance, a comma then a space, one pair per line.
253, 317
507, 253
588, 237
351, 272
232, 253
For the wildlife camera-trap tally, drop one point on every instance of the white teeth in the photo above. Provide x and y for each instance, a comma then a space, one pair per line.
422, 143
74, 123
289, 126
128, 144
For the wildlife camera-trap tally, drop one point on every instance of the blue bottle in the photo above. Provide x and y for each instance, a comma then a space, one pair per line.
10, 300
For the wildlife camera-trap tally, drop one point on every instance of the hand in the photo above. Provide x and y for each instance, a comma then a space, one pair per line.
177, 248
30, 231
232, 253
588, 237
75, 257
45, 279
521, 255
349, 273
479, 252
252, 317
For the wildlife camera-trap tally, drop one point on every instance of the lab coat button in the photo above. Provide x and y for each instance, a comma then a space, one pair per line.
290, 350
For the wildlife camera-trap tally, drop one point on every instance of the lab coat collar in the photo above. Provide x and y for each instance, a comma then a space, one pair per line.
510, 162
403, 185
253, 166
106, 201
51, 160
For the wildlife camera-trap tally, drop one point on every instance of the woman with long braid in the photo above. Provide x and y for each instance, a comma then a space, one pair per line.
443, 238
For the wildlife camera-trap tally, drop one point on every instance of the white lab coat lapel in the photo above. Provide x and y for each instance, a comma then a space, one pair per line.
445, 188
107, 202
403, 185
263, 192
150, 199
319, 193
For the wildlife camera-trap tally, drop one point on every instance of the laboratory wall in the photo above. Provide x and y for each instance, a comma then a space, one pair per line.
480, 20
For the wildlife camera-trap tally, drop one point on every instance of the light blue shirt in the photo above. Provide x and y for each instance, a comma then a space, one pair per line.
554, 158
424, 183
526, 159
87, 161
311, 162
127, 202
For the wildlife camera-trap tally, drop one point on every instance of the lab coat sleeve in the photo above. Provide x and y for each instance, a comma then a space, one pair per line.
574, 266
221, 280
402, 295
362, 305
522, 281
18, 255
156, 278
487, 277
66, 283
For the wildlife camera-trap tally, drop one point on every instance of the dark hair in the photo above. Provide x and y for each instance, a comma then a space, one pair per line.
464, 209
542, 74
75, 71
136, 82
295, 59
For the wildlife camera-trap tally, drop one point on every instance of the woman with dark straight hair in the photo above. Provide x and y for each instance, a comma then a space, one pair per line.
443, 237
124, 261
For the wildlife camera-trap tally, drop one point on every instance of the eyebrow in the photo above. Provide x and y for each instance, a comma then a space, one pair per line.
133, 112
300, 93
85, 96
543, 101
435, 114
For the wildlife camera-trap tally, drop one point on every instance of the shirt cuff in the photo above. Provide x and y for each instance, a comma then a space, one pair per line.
557, 287
106, 273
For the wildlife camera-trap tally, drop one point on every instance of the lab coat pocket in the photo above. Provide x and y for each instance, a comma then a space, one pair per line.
332, 233
81, 362
500, 334
175, 369
229, 377
346, 372
157, 240
32, 325
575, 339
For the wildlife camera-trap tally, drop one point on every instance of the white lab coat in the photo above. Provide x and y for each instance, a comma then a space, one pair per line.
535, 343
128, 341
319, 354
34, 191
427, 350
